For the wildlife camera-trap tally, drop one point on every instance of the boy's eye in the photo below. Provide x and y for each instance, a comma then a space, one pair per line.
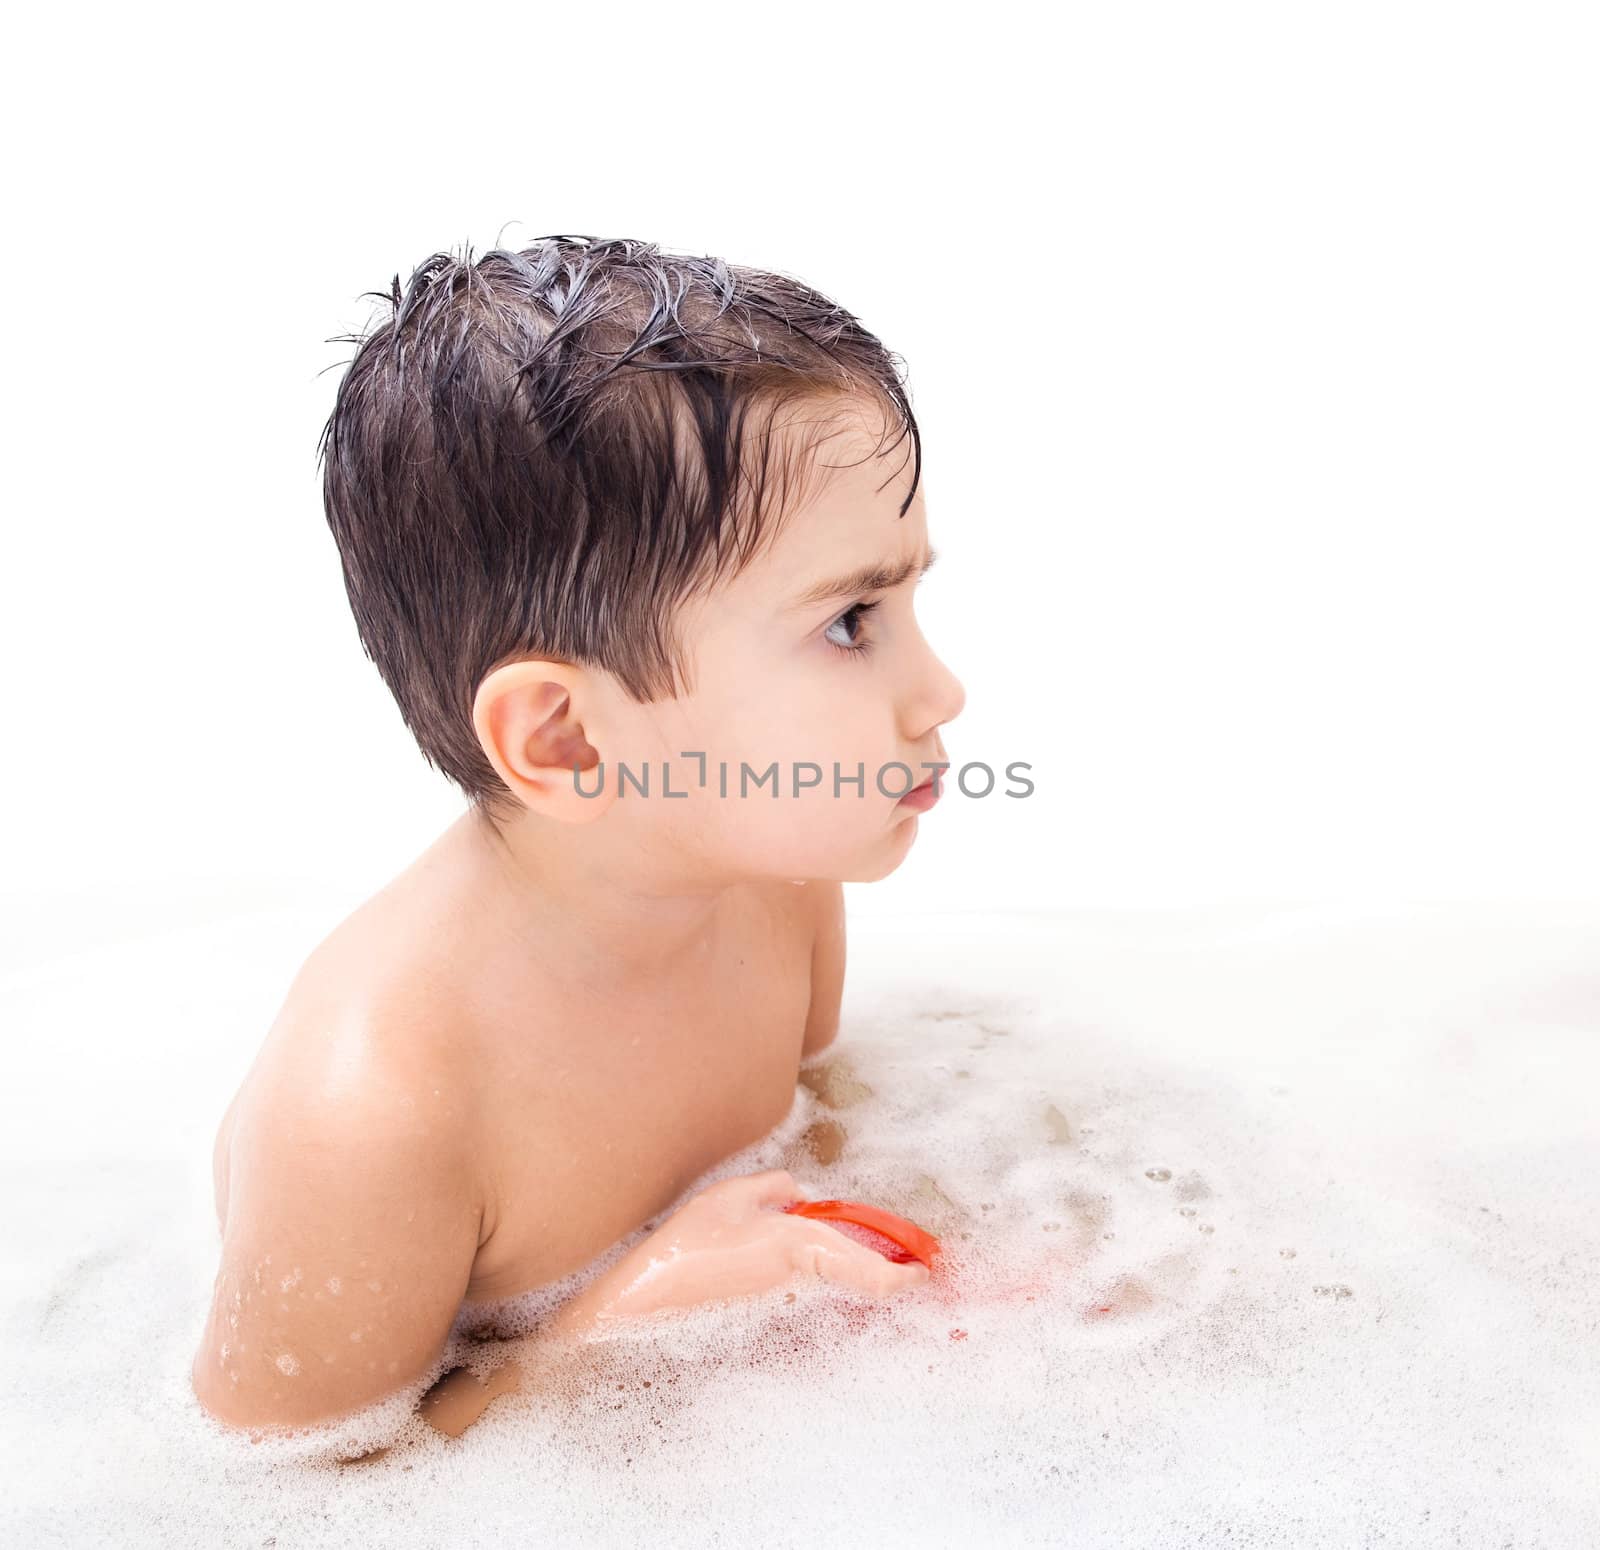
855, 616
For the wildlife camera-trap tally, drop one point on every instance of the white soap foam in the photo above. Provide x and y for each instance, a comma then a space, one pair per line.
1304, 1203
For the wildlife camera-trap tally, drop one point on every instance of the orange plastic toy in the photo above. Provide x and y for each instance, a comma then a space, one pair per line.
910, 1241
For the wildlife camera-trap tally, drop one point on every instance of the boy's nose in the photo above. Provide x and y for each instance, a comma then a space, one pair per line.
955, 694
940, 698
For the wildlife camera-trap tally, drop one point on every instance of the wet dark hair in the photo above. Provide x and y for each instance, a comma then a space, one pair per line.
546, 452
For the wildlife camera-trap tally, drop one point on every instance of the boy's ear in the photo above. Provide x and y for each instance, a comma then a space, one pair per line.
529, 719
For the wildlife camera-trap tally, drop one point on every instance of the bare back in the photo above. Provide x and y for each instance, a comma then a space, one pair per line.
585, 1113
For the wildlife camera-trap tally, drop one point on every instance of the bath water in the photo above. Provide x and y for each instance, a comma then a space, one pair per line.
1259, 1228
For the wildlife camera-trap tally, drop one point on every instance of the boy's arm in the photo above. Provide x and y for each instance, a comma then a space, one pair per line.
352, 1227
827, 968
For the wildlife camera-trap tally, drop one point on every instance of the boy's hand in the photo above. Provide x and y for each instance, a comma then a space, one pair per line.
731, 1240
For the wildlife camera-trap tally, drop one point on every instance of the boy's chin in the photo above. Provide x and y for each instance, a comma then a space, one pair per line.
866, 860
893, 847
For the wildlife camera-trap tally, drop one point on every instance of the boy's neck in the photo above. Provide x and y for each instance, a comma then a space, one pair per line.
587, 899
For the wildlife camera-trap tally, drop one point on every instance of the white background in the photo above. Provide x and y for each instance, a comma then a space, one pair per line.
1254, 350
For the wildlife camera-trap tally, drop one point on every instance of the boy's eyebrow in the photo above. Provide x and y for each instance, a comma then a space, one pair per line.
878, 576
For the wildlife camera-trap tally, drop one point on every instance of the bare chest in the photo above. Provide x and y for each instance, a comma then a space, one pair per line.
628, 1098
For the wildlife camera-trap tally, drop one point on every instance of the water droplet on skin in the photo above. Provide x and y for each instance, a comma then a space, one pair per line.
1160, 1175
334, 1285
287, 1365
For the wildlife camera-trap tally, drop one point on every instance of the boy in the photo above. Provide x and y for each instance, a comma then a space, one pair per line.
620, 532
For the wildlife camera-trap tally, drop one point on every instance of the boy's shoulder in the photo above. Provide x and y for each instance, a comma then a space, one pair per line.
348, 1143
363, 1039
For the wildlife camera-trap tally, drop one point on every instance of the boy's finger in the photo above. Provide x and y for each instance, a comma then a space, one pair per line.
911, 1274
868, 1270
775, 1188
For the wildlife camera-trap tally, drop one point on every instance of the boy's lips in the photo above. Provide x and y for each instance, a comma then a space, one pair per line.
920, 798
